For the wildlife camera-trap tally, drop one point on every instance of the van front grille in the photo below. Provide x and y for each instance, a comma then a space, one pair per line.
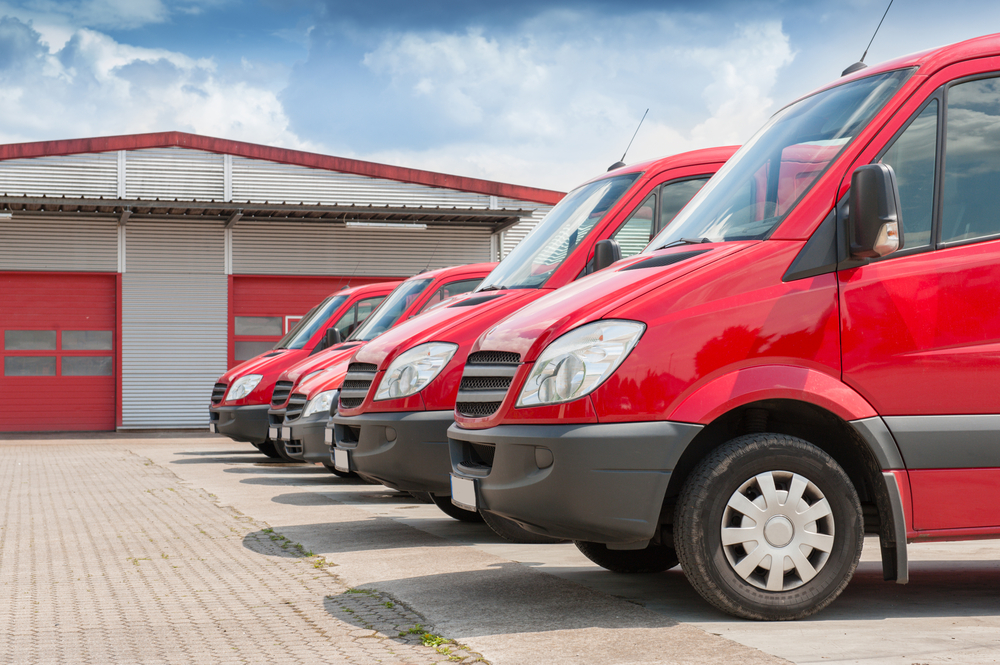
280, 394
218, 392
485, 381
357, 381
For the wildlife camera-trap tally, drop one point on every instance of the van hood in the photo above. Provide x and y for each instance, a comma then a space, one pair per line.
259, 364
531, 329
329, 379
461, 321
317, 361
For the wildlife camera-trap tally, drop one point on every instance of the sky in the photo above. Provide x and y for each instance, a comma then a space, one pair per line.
545, 93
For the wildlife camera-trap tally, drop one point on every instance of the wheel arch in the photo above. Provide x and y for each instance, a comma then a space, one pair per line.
864, 448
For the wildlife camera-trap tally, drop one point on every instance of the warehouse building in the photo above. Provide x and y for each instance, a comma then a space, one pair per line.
135, 269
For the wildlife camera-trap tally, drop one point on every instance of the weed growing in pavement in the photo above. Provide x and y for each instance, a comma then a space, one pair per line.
389, 603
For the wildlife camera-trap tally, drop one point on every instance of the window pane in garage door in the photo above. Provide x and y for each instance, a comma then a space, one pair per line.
88, 340
29, 366
248, 350
29, 340
86, 366
258, 325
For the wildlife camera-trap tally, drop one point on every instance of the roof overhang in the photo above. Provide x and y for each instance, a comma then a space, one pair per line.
237, 213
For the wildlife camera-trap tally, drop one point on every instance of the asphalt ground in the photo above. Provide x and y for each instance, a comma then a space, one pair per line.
208, 578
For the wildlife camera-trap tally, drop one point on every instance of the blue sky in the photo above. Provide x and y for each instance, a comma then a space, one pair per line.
544, 93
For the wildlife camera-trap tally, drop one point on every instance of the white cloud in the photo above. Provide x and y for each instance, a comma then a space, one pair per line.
556, 102
96, 86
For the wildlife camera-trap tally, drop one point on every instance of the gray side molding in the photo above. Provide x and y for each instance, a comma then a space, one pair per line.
881, 442
895, 565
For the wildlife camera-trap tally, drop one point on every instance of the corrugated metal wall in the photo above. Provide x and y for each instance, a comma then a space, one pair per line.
312, 248
258, 181
174, 173
63, 243
89, 175
174, 322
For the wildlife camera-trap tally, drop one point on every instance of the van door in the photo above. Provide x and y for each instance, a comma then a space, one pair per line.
921, 328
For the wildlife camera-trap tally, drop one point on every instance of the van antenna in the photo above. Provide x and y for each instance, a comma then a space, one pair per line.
431, 257
860, 64
619, 164
352, 275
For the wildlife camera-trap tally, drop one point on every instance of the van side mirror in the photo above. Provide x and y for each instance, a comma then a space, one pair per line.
874, 220
332, 337
606, 252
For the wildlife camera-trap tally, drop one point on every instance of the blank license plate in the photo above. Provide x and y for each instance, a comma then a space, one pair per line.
341, 460
213, 428
328, 436
463, 493
274, 433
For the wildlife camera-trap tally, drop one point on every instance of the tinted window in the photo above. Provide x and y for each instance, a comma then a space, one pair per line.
393, 307
912, 157
674, 196
449, 290
312, 322
972, 162
635, 233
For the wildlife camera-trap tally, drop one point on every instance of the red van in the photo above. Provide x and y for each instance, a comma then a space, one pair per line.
296, 420
399, 395
807, 354
242, 395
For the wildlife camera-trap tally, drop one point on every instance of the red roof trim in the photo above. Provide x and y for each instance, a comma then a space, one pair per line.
282, 155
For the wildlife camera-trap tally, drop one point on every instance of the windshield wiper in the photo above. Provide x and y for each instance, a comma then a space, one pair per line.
492, 287
686, 241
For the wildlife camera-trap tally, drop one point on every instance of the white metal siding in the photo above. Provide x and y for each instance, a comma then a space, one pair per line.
258, 181
172, 245
174, 173
174, 323
63, 243
87, 175
316, 248
515, 234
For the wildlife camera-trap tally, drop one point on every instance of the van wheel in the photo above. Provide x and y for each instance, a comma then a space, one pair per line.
509, 530
337, 472
768, 527
268, 449
653, 559
451, 510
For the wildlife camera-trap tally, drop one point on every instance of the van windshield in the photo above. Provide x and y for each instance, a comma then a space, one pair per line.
387, 314
535, 258
310, 323
763, 181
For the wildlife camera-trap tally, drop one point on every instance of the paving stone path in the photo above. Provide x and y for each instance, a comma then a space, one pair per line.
106, 557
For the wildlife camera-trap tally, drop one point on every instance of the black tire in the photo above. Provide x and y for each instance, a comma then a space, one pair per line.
510, 530
422, 497
451, 510
268, 449
653, 559
755, 466
337, 472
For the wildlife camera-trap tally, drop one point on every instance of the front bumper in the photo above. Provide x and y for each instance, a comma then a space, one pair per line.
241, 423
307, 436
406, 451
603, 483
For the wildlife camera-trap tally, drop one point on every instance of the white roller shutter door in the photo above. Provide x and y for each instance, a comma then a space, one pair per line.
174, 322
71, 244
314, 248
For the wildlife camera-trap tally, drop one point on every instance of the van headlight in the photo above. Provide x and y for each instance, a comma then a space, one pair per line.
243, 386
414, 369
579, 361
321, 402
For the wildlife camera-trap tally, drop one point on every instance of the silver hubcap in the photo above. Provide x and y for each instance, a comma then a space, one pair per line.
777, 530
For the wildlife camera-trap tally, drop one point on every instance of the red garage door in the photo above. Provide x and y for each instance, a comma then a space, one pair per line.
59, 337
264, 308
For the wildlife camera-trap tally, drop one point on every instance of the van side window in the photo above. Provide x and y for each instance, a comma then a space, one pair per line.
674, 196
635, 233
448, 290
972, 161
912, 156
